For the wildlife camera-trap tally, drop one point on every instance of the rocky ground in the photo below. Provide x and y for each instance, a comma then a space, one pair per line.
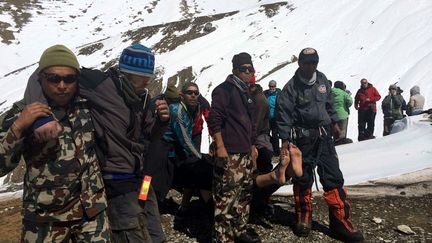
377, 217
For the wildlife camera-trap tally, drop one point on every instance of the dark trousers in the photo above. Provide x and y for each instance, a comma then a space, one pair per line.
195, 175
151, 212
127, 218
388, 124
319, 152
261, 196
159, 167
343, 125
366, 123
274, 138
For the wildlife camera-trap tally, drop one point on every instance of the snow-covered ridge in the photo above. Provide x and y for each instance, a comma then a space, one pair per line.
383, 41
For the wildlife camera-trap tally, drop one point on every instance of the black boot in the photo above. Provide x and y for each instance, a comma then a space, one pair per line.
250, 236
339, 212
303, 205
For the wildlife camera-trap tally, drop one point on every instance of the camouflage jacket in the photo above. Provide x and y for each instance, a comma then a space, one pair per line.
62, 180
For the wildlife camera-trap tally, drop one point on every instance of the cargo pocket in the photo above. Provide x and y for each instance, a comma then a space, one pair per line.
123, 212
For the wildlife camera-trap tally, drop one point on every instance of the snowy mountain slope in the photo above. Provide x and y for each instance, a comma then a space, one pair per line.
387, 157
76, 23
383, 41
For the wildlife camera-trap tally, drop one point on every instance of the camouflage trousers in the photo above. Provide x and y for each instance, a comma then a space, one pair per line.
92, 230
232, 190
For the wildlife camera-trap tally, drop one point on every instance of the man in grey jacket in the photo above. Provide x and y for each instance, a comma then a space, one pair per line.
123, 126
416, 101
307, 119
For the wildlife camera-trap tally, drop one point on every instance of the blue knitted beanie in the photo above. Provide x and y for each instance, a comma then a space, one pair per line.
137, 59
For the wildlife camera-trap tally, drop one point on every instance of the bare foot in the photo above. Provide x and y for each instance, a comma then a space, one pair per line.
280, 170
295, 168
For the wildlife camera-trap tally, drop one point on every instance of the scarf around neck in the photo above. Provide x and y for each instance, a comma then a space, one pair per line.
309, 82
240, 84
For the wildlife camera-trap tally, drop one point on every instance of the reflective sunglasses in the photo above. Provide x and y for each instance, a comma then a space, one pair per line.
244, 68
55, 78
190, 92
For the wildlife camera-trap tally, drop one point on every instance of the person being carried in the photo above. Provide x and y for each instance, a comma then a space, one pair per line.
63, 198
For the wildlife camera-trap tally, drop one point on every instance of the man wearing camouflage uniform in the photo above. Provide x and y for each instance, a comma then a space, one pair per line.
124, 125
63, 196
231, 120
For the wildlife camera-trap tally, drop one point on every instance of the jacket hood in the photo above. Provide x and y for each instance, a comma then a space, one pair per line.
369, 85
415, 90
258, 88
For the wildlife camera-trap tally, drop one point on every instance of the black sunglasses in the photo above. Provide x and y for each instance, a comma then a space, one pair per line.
190, 92
55, 78
244, 68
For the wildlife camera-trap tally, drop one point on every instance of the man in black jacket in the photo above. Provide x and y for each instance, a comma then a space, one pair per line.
232, 122
306, 118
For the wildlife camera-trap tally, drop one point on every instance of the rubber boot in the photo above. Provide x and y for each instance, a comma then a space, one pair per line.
339, 213
303, 206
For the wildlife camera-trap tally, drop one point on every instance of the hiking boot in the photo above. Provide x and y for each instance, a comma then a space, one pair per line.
341, 232
303, 206
269, 211
339, 212
209, 209
303, 229
250, 236
182, 213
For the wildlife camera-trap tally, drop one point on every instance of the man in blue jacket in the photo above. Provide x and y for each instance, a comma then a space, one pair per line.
192, 172
271, 95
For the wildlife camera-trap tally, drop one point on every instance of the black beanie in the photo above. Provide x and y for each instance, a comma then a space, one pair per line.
240, 59
339, 85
